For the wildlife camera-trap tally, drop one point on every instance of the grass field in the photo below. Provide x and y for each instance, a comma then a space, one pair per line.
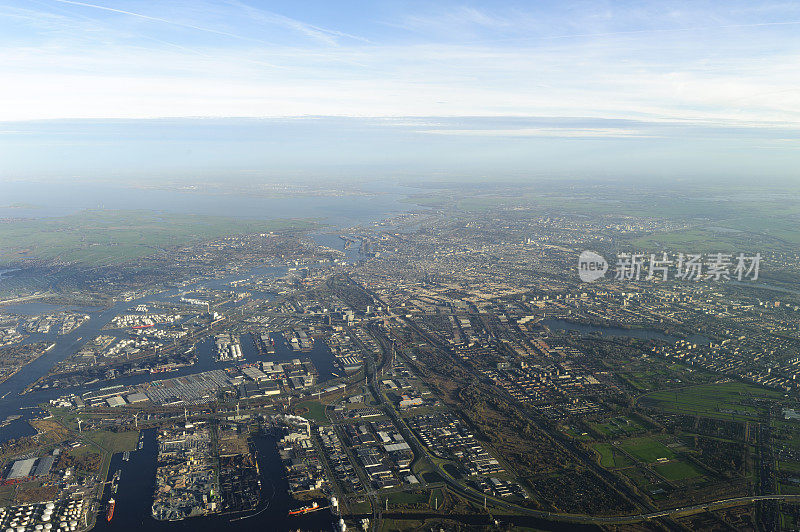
113, 237
408, 497
6, 495
436, 496
394, 525
728, 234
676, 470
577, 433
115, 442
698, 240
637, 476
617, 426
609, 457
789, 467
646, 449
729, 218
720, 400
788, 489
361, 507
313, 411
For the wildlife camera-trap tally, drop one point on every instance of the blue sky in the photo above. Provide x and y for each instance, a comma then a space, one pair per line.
523, 88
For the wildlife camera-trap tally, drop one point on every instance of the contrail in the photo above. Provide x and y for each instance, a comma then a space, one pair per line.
179, 24
308, 29
155, 19
150, 37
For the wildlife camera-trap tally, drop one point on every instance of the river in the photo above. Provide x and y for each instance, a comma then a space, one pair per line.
66, 345
5, 271
135, 492
333, 240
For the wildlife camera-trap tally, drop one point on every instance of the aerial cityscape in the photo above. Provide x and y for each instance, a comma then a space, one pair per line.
424, 267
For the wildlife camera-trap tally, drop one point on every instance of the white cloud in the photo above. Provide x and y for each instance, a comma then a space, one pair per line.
88, 74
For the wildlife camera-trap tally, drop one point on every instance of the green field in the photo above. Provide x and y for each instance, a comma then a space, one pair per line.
792, 467
113, 237
408, 497
115, 442
729, 234
676, 470
718, 218
7, 495
436, 496
617, 426
610, 457
646, 449
577, 433
313, 411
638, 476
788, 489
728, 400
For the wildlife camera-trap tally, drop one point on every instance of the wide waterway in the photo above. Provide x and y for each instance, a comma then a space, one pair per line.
134, 496
66, 345
32, 200
11, 403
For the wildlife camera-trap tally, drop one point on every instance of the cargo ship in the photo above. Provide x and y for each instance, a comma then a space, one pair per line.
110, 515
115, 481
166, 368
313, 507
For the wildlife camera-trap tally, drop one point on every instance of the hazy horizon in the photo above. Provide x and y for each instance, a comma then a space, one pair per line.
349, 149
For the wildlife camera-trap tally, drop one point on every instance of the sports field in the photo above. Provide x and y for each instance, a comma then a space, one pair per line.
646, 449
676, 470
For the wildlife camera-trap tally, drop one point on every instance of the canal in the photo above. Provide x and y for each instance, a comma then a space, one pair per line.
134, 497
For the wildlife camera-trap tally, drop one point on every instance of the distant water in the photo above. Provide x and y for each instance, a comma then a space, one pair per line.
33, 308
333, 241
32, 200
4, 272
